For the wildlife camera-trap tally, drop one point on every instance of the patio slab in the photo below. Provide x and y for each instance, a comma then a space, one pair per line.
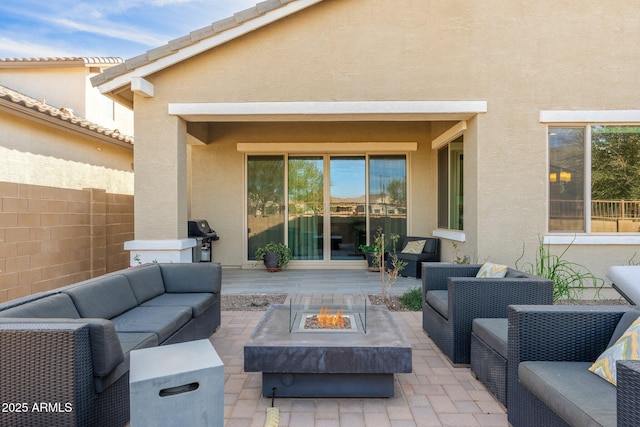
434, 394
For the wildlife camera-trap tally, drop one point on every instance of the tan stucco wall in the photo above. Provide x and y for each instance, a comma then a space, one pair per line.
519, 57
69, 87
37, 154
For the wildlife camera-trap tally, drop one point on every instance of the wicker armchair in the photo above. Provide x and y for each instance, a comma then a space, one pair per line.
452, 297
430, 253
571, 338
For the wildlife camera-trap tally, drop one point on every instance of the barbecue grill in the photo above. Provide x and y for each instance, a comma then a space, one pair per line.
203, 234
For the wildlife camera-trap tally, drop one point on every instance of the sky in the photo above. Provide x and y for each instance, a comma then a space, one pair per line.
121, 28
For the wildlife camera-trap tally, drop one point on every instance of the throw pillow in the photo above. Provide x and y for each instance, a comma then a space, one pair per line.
626, 348
491, 270
414, 247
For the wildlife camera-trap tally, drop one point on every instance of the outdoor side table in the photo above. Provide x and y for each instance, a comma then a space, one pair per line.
177, 385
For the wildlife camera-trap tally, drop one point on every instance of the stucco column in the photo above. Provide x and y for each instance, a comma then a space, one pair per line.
160, 164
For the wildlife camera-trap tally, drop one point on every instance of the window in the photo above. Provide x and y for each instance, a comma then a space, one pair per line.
450, 186
594, 179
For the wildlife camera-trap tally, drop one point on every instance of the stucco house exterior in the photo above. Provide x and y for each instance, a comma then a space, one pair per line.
66, 175
314, 122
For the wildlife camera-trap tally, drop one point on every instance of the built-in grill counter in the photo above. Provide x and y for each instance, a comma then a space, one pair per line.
203, 234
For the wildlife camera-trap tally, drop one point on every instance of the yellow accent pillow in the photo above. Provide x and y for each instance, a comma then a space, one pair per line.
414, 247
491, 270
626, 348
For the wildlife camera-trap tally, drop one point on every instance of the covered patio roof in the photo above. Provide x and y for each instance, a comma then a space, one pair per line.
328, 111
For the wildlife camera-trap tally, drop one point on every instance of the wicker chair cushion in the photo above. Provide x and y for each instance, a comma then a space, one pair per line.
52, 306
439, 300
625, 348
571, 391
163, 321
494, 332
625, 321
145, 281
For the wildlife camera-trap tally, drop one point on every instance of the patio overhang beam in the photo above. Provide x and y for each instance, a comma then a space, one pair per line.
330, 111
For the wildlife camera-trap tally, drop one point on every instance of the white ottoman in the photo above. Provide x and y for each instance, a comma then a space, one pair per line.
177, 385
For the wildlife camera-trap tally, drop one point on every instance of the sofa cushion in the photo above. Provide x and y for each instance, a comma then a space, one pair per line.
162, 321
494, 332
439, 300
104, 297
129, 341
431, 246
625, 348
52, 306
492, 270
571, 391
199, 277
146, 281
414, 247
623, 324
199, 303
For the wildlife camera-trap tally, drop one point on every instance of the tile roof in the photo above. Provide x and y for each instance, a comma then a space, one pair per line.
87, 61
63, 114
190, 39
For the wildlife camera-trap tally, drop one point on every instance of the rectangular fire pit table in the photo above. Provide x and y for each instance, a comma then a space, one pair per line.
327, 363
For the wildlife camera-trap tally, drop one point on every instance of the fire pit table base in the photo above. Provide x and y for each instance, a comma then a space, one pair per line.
327, 385
327, 364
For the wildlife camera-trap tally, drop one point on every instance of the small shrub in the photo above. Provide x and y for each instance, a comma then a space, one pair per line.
412, 299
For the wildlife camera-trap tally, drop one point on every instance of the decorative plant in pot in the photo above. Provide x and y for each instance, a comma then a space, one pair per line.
276, 256
371, 255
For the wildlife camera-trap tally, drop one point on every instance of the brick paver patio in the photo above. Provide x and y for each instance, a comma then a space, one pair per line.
434, 394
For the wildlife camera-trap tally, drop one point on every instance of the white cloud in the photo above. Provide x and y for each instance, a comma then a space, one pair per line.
30, 50
105, 29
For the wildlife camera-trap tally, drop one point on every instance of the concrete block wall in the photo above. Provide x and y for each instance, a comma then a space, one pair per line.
51, 237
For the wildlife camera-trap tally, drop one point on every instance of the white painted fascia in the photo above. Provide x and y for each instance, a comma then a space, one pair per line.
455, 235
206, 44
142, 87
590, 116
334, 111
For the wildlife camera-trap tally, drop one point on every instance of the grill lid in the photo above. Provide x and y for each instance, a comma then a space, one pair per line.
200, 228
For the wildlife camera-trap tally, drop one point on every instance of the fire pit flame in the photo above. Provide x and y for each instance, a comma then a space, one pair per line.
327, 319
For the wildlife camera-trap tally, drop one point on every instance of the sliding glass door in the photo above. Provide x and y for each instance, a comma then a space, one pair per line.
388, 195
333, 205
348, 201
306, 207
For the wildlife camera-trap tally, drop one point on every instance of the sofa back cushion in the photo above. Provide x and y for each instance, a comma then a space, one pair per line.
431, 246
146, 281
51, 306
623, 324
192, 277
104, 297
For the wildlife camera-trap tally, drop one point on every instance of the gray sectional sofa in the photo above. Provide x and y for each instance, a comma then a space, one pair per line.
66, 351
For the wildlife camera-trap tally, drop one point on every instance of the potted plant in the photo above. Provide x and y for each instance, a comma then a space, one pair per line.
369, 251
276, 256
